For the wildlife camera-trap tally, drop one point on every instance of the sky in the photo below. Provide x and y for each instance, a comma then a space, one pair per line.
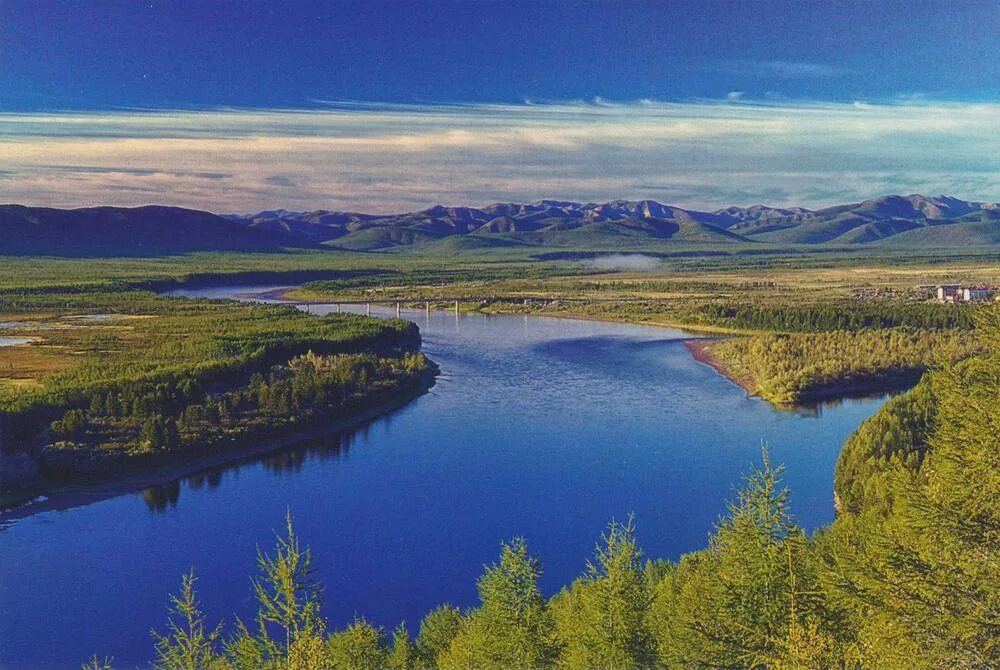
393, 106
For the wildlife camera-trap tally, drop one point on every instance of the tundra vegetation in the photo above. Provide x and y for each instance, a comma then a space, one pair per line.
906, 576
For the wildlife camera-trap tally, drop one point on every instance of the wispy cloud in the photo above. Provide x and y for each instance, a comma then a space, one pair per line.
397, 157
141, 172
784, 69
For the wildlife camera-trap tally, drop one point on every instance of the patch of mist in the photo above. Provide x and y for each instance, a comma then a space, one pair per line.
623, 263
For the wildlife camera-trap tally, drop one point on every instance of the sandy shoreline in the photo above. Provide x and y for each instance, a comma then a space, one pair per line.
700, 352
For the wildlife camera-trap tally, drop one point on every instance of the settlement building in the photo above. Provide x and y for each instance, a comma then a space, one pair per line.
958, 293
949, 292
978, 293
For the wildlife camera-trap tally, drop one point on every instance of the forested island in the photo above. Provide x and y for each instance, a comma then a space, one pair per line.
118, 382
791, 368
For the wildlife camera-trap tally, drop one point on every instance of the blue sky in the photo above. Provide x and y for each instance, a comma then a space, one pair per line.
389, 106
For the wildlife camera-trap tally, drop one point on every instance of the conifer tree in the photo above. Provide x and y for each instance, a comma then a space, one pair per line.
605, 623
513, 627
404, 653
437, 630
289, 627
752, 599
360, 646
98, 664
96, 405
187, 644
929, 573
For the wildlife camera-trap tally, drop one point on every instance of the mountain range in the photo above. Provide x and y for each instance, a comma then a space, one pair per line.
913, 220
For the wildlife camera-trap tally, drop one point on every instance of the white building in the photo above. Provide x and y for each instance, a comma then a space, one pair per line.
949, 292
978, 293
958, 293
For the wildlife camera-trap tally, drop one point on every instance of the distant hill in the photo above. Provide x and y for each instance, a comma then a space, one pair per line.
138, 231
630, 223
546, 222
899, 221
873, 221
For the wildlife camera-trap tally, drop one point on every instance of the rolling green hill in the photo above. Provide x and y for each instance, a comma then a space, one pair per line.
965, 234
879, 219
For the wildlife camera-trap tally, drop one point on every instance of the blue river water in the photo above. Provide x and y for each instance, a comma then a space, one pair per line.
540, 427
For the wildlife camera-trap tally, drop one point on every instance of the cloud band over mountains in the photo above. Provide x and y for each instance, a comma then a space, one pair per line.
389, 158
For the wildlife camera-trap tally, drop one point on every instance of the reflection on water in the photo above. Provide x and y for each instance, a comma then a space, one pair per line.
291, 460
284, 461
816, 408
159, 498
209, 478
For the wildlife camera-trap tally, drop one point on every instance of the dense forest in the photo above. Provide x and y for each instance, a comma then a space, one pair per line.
796, 367
862, 315
908, 575
125, 377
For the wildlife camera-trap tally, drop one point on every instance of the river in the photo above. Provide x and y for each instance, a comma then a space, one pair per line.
540, 427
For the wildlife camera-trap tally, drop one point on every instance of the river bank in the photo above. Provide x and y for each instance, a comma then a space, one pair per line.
875, 385
185, 463
701, 352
